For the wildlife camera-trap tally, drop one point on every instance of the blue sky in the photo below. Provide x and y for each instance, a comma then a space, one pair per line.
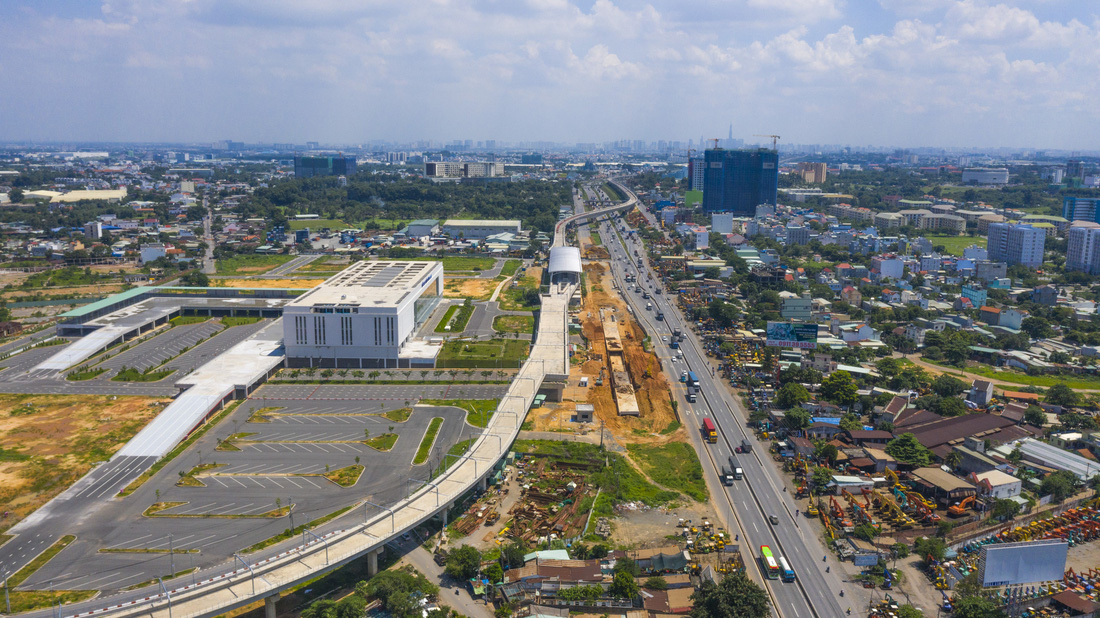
953, 73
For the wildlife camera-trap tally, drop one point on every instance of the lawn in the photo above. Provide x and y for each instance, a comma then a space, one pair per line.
398, 416
510, 267
518, 297
130, 374
457, 317
426, 443
514, 324
182, 320
382, 443
596, 240
474, 354
85, 374
674, 465
251, 264
457, 264
456, 453
346, 477
240, 320
315, 225
478, 411
955, 244
1013, 377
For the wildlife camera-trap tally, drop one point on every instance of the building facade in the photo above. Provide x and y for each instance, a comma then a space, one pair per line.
1016, 244
1083, 247
738, 181
308, 167
985, 176
1081, 208
479, 229
363, 316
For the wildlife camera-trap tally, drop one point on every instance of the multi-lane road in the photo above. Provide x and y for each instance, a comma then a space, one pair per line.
748, 504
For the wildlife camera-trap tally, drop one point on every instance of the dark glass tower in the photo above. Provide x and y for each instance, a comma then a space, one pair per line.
738, 181
307, 167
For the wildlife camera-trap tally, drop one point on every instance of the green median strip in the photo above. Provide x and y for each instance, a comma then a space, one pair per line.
148, 474
157, 510
456, 452
429, 439
40, 561
478, 411
383, 442
346, 477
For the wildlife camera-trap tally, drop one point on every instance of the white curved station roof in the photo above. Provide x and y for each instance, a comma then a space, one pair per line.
565, 260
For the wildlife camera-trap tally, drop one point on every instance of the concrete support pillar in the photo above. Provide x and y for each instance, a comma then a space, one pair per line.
445, 515
269, 606
372, 563
483, 484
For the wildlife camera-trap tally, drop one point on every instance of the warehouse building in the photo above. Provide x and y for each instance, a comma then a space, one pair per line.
364, 317
480, 229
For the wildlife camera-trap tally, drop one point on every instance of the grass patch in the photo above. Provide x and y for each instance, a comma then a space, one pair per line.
288, 533
672, 465
29, 600
619, 480
39, 561
478, 411
189, 479
524, 295
148, 474
613, 192
671, 429
488, 354
514, 324
240, 320
251, 264
398, 416
316, 225
510, 267
1012, 377
955, 244
456, 452
261, 415
150, 582
382, 443
230, 442
129, 374
596, 240
427, 441
157, 509
183, 320
347, 476
457, 317
467, 263
85, 374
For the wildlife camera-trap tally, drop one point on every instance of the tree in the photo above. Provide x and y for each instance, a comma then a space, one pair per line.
494, 573
905, 448
1004, 509
791, 395
656, 583
908, 611
1058, 485
867, 532
1037, 327
463, 563
735, 597
888, 366
851, 422
395, 588
624, 586
901, 551
513, 554
948, 386
949, 406
628, 566
826, 452
929, 546
1061, 395
839, 388
195, 278
16, 195
1035, 416
976, 607
821, 477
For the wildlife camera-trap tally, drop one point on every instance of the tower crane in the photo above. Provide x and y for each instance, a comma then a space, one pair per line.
715, 140
775, 139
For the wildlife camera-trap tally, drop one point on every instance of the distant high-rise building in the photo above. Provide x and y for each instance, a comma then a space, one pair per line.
813, 173
1016, 243
308, 167
695, 173
1081, 208
738, 181
1083, 247
1075, 168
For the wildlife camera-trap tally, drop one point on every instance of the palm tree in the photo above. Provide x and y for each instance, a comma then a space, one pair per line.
953, 459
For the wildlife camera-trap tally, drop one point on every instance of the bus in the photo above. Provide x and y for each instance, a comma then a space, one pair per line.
786, 573
767, 560
709, 431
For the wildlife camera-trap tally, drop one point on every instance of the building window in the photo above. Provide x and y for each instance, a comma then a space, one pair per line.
390, 335
377, 331
319, 330
300, 330
345, 331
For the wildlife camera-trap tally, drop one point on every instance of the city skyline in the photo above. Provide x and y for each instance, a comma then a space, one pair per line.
935, 73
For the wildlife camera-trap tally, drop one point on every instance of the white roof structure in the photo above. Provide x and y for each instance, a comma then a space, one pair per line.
110, 195
482, 223
371, 283
565, 259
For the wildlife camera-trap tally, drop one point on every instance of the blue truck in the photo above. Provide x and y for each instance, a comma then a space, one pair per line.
693, 380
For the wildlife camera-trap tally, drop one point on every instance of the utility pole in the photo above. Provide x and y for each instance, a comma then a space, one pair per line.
171, 558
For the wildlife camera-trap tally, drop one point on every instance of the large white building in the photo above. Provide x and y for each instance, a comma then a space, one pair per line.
479, 229
1016, 243
985, 176
1083, 247
363, 316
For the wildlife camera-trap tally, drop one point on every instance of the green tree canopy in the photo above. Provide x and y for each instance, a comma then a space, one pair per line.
1004, 509
797, 418
791, 395
1035, 416
851, 422
977, 607
736, 596
905, 448
1058, 485
463, 562
948, 386
1061, 395
624, 586
839, 388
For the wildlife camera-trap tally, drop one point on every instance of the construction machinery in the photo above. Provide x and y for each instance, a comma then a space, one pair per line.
775, 139
959, 509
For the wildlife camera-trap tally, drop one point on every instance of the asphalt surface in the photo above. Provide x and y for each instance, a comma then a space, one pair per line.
154, 352
26, 340
282, 462
747, 504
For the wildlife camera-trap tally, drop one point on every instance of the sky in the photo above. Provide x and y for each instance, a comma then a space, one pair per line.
904, 73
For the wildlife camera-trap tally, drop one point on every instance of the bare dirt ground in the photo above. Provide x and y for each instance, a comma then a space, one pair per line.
643, 528
99, 289
650, 384
293, 284
476, 289
50, 441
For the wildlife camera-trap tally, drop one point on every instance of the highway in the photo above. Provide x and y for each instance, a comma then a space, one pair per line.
748, 503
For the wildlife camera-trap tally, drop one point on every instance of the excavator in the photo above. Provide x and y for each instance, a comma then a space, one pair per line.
959, 509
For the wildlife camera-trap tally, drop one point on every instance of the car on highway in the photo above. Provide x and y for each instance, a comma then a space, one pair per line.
773, 519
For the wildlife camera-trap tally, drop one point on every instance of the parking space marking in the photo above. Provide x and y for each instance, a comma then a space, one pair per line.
291, 481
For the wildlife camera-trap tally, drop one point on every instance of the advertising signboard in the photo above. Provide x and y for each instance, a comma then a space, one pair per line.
790, 335
1022, 563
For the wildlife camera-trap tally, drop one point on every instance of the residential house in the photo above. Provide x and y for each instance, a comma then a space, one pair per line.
981, 392
996, 484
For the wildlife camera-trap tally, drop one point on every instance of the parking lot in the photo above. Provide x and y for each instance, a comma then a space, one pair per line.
380, 392
154, 352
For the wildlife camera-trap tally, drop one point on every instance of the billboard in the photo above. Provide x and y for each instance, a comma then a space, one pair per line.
790, 335
1022, 563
